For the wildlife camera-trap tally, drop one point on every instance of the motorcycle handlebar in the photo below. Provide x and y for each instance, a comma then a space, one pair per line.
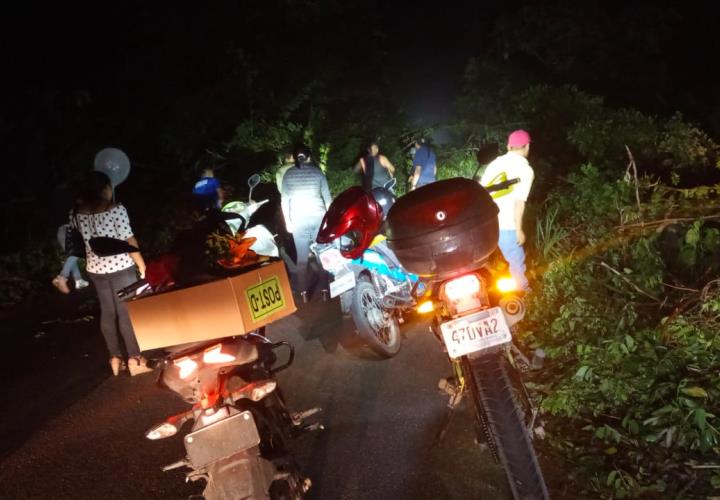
501, 185
132, 290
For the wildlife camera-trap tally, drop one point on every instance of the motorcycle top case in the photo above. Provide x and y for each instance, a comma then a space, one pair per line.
443, 227
222, 308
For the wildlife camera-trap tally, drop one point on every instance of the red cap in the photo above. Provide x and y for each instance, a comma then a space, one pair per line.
518, 139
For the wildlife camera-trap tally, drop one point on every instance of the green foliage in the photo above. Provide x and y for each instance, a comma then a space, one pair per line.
457, 163
549, 235
601, 137
632, 388
686, 144
25, 273
258, 136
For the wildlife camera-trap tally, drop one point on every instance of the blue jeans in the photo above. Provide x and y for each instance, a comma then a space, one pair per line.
71, 266
304, 233
514, 255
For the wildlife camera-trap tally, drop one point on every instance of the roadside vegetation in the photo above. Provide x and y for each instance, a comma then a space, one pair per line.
624, 260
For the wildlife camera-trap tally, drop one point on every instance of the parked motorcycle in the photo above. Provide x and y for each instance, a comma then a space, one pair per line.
264, 240
238, 442
445, 232
373, 286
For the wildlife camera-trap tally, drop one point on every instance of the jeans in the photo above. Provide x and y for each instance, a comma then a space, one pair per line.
304, 233
114, 318
71, 266
514, 255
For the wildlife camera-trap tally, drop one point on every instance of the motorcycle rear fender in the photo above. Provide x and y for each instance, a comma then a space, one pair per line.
244, 475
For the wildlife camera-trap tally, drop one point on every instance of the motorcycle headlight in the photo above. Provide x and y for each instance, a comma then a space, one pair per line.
349, 241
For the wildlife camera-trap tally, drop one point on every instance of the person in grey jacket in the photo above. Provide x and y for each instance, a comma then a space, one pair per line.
305, 199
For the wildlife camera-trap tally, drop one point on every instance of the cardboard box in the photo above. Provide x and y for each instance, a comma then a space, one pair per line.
221, 308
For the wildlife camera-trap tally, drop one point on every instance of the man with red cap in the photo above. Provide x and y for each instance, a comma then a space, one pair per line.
511, 200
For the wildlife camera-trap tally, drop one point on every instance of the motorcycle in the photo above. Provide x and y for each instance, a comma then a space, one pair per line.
264, 240
238, 442
239, 438
373, 286
445, 233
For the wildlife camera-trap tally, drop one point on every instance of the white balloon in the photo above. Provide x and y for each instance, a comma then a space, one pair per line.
114, 163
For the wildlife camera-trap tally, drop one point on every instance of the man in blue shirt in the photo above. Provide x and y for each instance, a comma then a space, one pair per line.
424, 165
208, 190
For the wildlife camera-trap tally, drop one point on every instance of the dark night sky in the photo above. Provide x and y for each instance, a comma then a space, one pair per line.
125, 60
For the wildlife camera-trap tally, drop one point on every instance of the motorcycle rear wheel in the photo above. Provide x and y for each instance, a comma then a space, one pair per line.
495, 400
380, 333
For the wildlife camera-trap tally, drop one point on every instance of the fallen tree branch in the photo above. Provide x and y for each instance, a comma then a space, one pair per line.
706, 289
637, 184
626, 280
684, 289
668, 221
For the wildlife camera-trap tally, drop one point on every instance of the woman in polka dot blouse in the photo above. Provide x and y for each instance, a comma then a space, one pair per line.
97, 215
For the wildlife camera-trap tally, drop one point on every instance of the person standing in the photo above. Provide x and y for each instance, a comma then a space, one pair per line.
375, 168
208, 189
511, 200
98, 216
70, 267
288, 163
305, 199
424, 165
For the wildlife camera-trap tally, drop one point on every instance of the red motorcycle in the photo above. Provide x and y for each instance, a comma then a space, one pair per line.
373, 286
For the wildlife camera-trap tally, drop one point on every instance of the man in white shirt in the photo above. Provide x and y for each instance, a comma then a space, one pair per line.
511, 200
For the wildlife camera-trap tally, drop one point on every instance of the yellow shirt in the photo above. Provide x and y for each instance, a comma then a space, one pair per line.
503, 168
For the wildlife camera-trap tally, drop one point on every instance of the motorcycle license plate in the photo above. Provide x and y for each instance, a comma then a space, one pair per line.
265, 298
332, 260
343, 282
476, 332
221, 439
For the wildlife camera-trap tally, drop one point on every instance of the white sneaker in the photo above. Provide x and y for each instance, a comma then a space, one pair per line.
81, 283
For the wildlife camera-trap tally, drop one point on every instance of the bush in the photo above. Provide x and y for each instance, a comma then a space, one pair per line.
632, 387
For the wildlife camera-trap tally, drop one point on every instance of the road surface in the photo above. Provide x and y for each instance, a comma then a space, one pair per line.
78, 432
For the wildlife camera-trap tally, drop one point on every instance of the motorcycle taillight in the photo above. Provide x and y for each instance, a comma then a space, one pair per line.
463, 287
464, 293
215, 355
186, 365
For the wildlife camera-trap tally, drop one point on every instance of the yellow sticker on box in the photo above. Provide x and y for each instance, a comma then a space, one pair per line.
265, 298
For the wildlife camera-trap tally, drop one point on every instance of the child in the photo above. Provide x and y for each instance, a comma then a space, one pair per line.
208, 188
70, 267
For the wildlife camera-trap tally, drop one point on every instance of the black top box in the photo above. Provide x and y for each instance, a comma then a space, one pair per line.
446, 227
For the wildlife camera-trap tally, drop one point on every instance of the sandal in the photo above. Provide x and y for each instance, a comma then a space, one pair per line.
117, 365
60, 282
138, 365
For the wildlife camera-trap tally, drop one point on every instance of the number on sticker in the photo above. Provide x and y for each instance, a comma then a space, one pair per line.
485, 329
265, 298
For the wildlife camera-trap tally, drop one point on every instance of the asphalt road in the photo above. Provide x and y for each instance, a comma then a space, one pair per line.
76, 432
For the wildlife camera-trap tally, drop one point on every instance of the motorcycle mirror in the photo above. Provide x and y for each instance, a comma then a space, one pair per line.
253, 181
390, 184
104, 246
231, 216
487, 153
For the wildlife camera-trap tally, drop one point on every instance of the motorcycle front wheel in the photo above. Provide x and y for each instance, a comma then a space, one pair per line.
496, 405
378, 330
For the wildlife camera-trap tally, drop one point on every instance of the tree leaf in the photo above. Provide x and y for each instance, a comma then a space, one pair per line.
582, 371
611, 477
695, 392
700, 418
